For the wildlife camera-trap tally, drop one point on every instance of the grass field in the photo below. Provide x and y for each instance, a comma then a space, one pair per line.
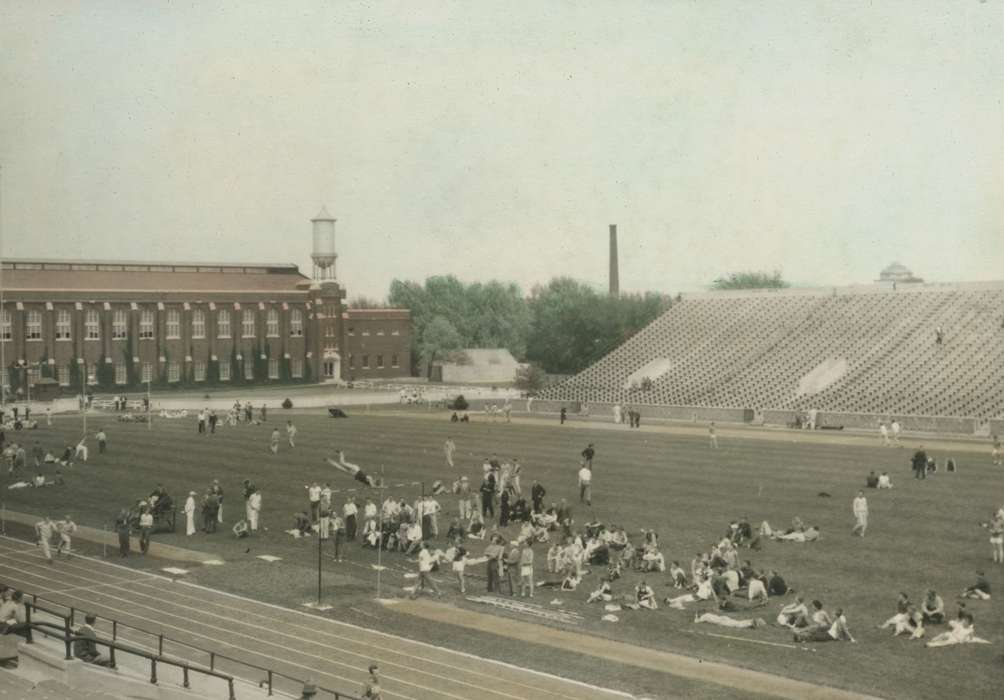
921, 534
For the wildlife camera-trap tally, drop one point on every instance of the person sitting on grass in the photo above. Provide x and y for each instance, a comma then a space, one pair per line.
677, 574
837, 632
819, 621
910, 621
645, 596
933, 609
604, 593
979, 590
885, 481
963, 631
301, 524
794, 614
871, 481
703, 591
370, 536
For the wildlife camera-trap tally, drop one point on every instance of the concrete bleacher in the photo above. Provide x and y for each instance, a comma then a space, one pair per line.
867, 349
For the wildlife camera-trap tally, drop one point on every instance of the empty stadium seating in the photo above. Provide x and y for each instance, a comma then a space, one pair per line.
877, 347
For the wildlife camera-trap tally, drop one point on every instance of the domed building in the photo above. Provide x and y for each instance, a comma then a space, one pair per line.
897, 272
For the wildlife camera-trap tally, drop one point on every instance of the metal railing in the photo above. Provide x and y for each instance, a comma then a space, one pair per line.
65, 634
214, 657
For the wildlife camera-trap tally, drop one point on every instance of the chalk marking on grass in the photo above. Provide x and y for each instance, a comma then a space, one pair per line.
743, 639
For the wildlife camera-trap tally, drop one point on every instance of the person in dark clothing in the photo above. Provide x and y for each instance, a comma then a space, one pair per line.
210, 507
488, 496
537, 493
123, 528
504, 509
776, 584
871, 481
587, 456
564, 415
920, 464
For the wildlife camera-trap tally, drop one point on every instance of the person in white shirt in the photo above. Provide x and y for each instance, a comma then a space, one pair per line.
462, 488
895, 431
369, 511
449, 447
190, 514
860, 509
254, 510
102, 439
81, 451
517, 469
145, 528
425, 561
291, 433
44, 529
350, 512
884, 432
885, 481
712, 436
961, 632
431, 510
585, 486
274, 441
314, 497
66, 528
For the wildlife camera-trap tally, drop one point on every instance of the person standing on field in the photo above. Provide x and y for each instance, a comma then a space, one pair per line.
585, 485
254, 510
291, 433
884, 433
860, 509
66, 528
896, 429
190, 514
712, 436
274, 441
217, 491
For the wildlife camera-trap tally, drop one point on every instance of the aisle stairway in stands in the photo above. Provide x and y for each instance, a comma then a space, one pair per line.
875, 349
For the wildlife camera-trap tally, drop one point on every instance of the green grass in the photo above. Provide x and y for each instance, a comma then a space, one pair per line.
921, 534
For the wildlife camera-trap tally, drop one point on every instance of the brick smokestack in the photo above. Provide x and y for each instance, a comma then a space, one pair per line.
615, 284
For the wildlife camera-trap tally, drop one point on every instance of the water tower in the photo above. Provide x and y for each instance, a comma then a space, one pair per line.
324, 255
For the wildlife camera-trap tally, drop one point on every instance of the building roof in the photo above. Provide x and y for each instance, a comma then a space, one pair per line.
123, 276
356, 314
897, 269
323, 215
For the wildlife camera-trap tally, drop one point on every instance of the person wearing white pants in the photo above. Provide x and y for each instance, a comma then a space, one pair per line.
724, 621
190, 514
254, 510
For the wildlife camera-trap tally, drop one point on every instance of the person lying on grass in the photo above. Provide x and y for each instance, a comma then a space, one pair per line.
963, 631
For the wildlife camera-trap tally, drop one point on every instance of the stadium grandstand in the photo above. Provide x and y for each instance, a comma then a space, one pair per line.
918, 349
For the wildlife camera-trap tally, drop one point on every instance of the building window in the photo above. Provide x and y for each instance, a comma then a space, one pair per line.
92, 325
249, 367
395, 332
225, 371
296, 323
121, 375
273, 368
63, 325
147, 374
120, 325
393, 360
34, 325
379, 361
5, 326
352, 361
145, 324
352, 331
366, 332
223, 324
297, 368
379, 331
173, 372
366, 361
63, 375
198, 324
92, 375
247, 323
272, 323
173, 324
200, 370
329, 330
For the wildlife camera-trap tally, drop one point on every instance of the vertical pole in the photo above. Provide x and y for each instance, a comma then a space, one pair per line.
319, 567
149, 406
104, 542
3, 519
380, 533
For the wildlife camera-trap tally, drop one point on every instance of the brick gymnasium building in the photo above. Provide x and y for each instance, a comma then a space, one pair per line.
115, 325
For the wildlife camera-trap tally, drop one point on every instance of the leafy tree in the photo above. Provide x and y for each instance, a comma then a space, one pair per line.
439, 338
364, 302
572, 326
530, 378
750, 280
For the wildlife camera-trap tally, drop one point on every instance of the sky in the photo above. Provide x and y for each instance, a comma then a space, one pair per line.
500, 139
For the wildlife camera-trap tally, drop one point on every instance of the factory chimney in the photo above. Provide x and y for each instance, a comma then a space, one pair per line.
615, 286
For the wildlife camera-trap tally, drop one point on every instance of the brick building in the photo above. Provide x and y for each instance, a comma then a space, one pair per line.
116, 324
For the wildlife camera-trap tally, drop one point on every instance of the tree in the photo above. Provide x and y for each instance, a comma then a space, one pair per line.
750, 280
439, 338
364, 302
530, 378
572, 326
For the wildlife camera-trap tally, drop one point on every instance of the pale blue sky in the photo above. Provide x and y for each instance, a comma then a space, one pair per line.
500, 139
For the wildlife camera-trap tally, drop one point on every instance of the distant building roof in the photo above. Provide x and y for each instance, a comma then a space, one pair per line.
122, 275
323, 215
897, 272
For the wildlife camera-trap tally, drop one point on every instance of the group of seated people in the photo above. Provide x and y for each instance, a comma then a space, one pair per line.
40, 481
13, 614
882, 481
815, 625
798, 532
910, 619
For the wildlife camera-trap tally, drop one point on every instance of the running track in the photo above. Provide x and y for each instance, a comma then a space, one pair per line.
301, 645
